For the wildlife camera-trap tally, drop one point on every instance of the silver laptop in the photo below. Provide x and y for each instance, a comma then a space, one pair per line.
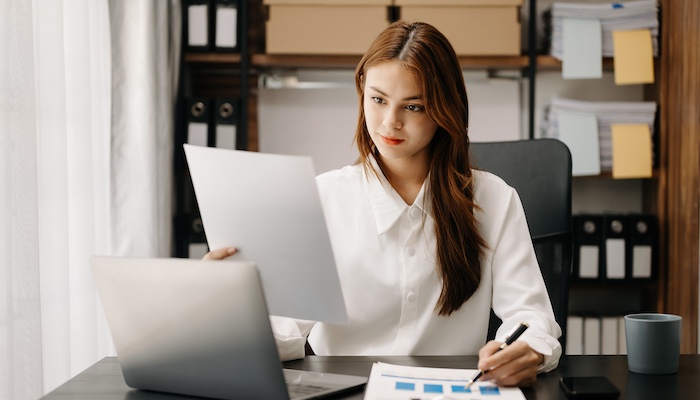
200, 328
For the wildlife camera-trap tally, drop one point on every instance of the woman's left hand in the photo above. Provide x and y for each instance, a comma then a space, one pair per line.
515, 365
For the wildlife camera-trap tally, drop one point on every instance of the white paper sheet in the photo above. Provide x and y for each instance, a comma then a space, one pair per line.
268, 207
582, 48
399, 382
579, 131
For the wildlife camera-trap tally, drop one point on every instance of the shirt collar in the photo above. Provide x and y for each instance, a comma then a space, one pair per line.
387, 205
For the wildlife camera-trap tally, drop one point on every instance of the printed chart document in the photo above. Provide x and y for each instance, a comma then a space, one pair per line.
390, 381
268, 207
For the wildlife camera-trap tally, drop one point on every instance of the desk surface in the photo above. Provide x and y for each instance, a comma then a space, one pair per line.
104, 381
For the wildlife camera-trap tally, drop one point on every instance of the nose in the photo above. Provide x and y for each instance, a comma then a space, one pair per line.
392, 119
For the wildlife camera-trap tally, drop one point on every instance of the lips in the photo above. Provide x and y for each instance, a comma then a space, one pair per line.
391, 141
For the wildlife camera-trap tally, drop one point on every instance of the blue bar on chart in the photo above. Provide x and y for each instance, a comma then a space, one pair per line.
489, 390
460, 389
405, 386
432, 388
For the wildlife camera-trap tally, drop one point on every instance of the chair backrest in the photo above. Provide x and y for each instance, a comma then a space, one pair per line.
540, 171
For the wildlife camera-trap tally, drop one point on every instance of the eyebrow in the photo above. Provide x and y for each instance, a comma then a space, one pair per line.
416, 97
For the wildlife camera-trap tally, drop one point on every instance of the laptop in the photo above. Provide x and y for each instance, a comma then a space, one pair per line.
200, 328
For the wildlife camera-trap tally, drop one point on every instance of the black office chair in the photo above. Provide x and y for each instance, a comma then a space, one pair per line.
540, 171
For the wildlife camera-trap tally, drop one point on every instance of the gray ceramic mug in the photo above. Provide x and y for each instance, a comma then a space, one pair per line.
653, 342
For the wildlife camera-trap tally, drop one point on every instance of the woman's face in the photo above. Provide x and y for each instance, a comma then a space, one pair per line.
395, 114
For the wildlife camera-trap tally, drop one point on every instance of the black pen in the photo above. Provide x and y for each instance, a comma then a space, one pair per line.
512, 338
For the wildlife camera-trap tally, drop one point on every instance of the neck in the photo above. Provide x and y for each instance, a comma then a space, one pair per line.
406, 176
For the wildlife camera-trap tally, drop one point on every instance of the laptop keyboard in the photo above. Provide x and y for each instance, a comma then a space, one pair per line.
297, 390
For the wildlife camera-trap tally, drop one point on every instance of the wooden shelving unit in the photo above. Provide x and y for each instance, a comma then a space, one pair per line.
671, 193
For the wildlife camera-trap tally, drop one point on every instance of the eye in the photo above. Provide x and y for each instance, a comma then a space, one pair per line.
377, 100
415, 108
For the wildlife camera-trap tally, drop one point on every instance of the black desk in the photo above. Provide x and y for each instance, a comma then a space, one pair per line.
104, 381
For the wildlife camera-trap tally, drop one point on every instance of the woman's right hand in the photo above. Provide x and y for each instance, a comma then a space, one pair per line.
220, 254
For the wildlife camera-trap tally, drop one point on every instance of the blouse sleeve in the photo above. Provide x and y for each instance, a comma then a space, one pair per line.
290, 336
519, 292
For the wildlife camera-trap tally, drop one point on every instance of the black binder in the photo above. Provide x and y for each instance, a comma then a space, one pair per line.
588, 247
197, 130
615, 246
642, 247
196, 25
225, 123
226, 27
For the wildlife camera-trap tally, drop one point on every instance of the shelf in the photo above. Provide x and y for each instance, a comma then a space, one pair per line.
613, 284
213, 58
548, 62
608, 176
341, 61
502, 62
350, 61
304, 61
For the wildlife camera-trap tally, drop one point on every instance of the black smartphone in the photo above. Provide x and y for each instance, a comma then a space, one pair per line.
589, 387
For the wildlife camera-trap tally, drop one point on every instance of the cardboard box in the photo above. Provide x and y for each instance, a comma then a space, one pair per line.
474, 27
342, 27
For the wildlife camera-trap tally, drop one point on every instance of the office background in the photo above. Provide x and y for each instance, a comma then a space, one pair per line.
86, 122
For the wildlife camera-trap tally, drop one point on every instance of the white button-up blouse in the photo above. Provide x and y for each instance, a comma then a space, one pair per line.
385, 255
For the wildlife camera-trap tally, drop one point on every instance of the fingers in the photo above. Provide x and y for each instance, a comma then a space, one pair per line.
515, 365
489, 349
220, 254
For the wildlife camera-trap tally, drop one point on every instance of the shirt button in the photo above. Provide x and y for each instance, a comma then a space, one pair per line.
411, 297
410, 251
415, 212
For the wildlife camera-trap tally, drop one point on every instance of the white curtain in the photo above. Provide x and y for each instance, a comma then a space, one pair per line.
86, 99
145, 57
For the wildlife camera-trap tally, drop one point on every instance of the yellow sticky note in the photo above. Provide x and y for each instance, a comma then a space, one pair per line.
634, 57
631, 145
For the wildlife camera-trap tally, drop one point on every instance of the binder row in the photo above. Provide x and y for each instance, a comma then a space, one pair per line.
595, 335
196, 243
208, 122
212, 121
615, 247
211, 25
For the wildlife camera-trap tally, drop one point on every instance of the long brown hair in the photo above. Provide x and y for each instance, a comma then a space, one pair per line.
425, 52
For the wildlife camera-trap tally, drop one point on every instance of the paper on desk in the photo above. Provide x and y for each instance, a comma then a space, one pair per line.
268, 207
398, 382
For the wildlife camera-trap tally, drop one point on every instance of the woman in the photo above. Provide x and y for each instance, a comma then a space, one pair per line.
425, 246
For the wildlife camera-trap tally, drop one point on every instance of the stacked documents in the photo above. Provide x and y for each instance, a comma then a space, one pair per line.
630, 15
606, 114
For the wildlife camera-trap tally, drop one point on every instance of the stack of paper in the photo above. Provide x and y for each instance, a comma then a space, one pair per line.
565, 120
630, 15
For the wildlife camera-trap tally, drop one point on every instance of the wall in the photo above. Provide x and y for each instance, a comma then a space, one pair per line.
315, 113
